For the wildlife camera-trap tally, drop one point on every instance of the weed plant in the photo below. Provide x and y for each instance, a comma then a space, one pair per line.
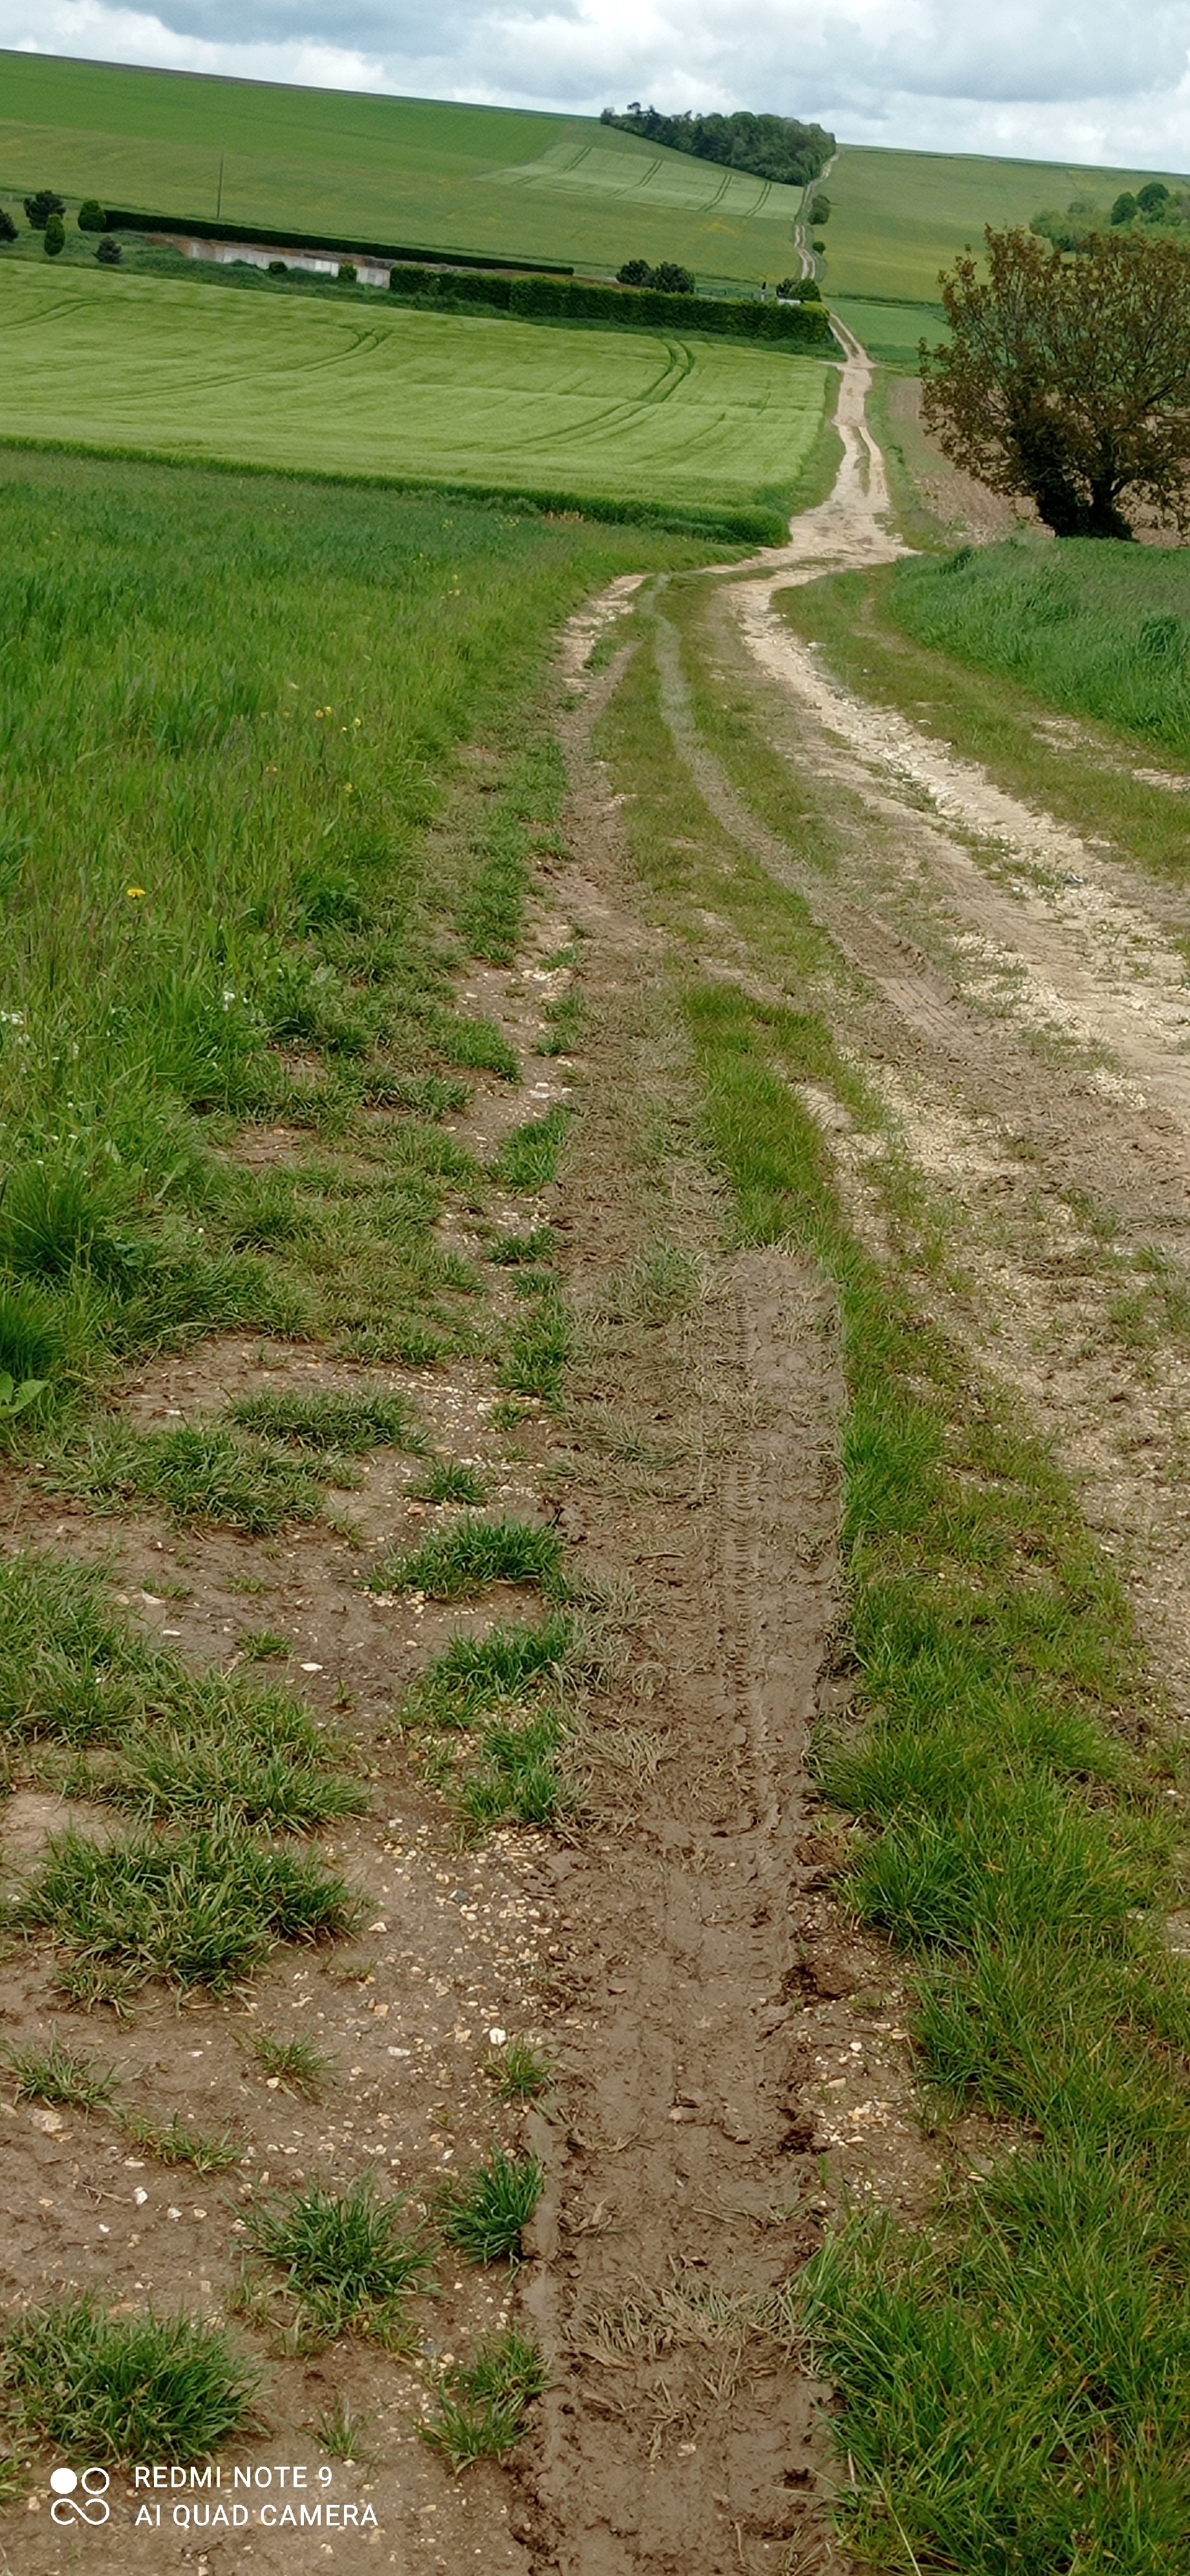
352, 2260
196, 1474
125, 2388
494, 1709
455, 1564
484, 2213
482, 2404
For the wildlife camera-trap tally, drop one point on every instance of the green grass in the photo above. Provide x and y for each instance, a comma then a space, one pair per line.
530, 1155
174, 2142
494, 1711
125, 2388
355, 1421
450, 1481
205, 1908
196, 1474
403, 170
483, 2213
520, 2072
230, 712
891, 329
456, 1564
352, 2260
1011, 2392
56, 2076
297, 2063
1096, 629
625, 418
1012, 2372
146, 1732
482, 2404
898, 217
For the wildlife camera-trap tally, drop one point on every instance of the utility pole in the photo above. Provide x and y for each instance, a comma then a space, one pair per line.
219, 198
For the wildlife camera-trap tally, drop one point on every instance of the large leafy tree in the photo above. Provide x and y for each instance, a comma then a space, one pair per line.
1068, 379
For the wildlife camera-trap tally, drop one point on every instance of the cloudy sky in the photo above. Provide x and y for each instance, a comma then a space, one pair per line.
1092, 80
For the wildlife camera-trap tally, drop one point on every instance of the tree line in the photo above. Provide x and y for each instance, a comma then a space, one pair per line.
767, 147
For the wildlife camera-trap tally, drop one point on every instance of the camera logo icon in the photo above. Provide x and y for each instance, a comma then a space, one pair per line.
80, 2496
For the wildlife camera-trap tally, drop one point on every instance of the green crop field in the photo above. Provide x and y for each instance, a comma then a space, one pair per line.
889, 329
898, 217
416, 171
168, 366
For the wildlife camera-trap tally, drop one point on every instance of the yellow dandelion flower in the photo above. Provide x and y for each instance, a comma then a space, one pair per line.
134, 893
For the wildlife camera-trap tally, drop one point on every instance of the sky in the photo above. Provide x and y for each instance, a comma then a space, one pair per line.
1082, 80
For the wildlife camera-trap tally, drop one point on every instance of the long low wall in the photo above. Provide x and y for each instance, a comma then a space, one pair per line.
124, 219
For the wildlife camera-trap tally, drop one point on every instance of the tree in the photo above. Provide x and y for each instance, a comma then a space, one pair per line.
55, 236
670, 279
8, 230
108, 252
91, 216
635, 272
1124, 208
1069, 379
40, 207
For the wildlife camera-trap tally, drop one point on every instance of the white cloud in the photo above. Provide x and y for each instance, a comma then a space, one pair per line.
1095, 80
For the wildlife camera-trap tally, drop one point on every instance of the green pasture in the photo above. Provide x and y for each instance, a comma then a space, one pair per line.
419, 171
898, 217
1096, 628
156, 365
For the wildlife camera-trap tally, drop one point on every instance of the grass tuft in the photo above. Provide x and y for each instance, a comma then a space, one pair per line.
296, 2063
484, 2213
125, 2388
352, 1422
351, 2259
520, 2072
195, 1474
172, 2142
449, 1481
199, 1909
53, 2075
529, 1157
457, 1563
482, 2404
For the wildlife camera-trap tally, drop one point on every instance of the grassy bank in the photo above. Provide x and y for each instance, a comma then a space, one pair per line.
898, 217
229, 710
1014, 2374
1097, 629
294, 381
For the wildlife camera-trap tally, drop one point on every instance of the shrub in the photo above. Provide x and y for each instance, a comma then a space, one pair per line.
91, 216
278, 268
55, 236
1151, 199
8, 230
1124, 208
668, 278
41, 206
348, 272
108, 253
